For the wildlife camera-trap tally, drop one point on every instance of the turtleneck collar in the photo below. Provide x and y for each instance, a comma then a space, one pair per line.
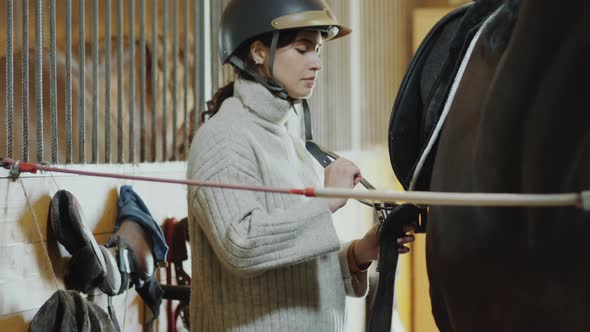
262, 102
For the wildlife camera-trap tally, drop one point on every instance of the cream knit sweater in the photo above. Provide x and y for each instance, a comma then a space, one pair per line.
262, 261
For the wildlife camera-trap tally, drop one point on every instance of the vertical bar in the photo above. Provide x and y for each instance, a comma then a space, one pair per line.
199, 66
216, 7
356, 78
132, 81
9, 76
165, 82
39, 76
95, 78
25, 81
142, 81
68, 102
82, 80
120, 81
186, 66
53, 81
107, 84
154, 74
175, 79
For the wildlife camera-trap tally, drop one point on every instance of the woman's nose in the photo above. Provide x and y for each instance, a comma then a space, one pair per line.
316, 62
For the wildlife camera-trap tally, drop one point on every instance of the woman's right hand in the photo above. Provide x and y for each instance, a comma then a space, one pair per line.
342, 173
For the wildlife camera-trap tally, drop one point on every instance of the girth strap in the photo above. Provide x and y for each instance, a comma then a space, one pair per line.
390, 230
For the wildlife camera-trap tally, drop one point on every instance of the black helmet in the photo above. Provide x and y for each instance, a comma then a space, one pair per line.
245, 19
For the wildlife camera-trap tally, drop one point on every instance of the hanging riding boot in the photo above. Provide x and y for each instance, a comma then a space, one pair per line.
91, 265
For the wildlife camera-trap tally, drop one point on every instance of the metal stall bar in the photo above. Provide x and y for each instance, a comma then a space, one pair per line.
175, 80
53, 81
216, 11
25, 81
68, 97
120, 81
107, 84
95, 79
142, 81
186, 72
154, 72
165, 82
199, 66
9, 76
39, 76
131, 76
82, 83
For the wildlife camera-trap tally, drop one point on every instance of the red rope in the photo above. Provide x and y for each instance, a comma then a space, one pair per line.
27, 168
33, 168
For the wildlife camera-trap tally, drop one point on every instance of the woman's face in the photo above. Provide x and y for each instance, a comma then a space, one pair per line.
296, 65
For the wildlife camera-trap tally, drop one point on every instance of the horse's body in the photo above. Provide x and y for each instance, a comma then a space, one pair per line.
520, 123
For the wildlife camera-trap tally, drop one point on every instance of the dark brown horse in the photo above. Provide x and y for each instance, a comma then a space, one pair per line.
520, 123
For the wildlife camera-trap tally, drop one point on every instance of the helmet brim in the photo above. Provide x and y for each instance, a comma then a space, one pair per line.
321, 20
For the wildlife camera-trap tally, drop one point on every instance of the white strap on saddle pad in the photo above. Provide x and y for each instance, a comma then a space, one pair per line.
450, 99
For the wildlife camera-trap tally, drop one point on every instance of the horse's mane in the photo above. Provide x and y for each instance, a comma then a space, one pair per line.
497, 35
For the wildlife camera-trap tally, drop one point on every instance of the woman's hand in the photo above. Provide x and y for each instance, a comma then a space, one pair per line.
366, 249
408, 238
342, 173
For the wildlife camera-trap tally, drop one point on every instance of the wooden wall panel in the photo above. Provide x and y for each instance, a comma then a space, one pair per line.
330, 103
386, 52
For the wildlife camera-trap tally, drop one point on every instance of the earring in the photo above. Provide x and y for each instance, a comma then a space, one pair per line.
258, 62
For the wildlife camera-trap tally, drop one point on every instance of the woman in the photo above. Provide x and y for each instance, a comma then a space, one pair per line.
266, 261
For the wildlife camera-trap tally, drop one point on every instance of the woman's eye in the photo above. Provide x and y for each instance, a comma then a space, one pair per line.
301, 50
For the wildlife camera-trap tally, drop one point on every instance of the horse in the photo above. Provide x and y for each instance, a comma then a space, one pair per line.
518, 124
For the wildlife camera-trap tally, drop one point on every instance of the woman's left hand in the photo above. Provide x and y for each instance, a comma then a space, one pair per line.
408, 238
366, 249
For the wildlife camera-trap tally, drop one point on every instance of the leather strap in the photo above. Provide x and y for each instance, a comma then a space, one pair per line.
272, 86
324, 156
391, 229
273, 50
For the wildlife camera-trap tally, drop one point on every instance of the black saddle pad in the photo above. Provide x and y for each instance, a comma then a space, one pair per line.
425, 88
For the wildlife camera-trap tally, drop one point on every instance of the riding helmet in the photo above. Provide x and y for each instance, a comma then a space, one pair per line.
243, 20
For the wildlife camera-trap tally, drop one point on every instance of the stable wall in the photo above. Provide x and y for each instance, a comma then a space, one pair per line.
26, 272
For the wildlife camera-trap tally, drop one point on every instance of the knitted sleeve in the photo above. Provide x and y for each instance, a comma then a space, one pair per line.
247, 238
355, 284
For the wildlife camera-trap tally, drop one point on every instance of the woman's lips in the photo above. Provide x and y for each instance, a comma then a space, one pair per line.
310, 81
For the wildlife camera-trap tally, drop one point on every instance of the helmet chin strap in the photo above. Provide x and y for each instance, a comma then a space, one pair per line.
273, 50
271, 84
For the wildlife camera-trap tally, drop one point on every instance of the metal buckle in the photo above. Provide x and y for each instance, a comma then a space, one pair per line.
380, 213
14, 171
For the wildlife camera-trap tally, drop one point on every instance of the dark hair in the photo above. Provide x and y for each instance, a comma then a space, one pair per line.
243, 52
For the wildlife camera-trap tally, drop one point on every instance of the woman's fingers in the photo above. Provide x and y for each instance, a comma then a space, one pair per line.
409, 227
403, 250
342, 173
357, 178
405, 239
